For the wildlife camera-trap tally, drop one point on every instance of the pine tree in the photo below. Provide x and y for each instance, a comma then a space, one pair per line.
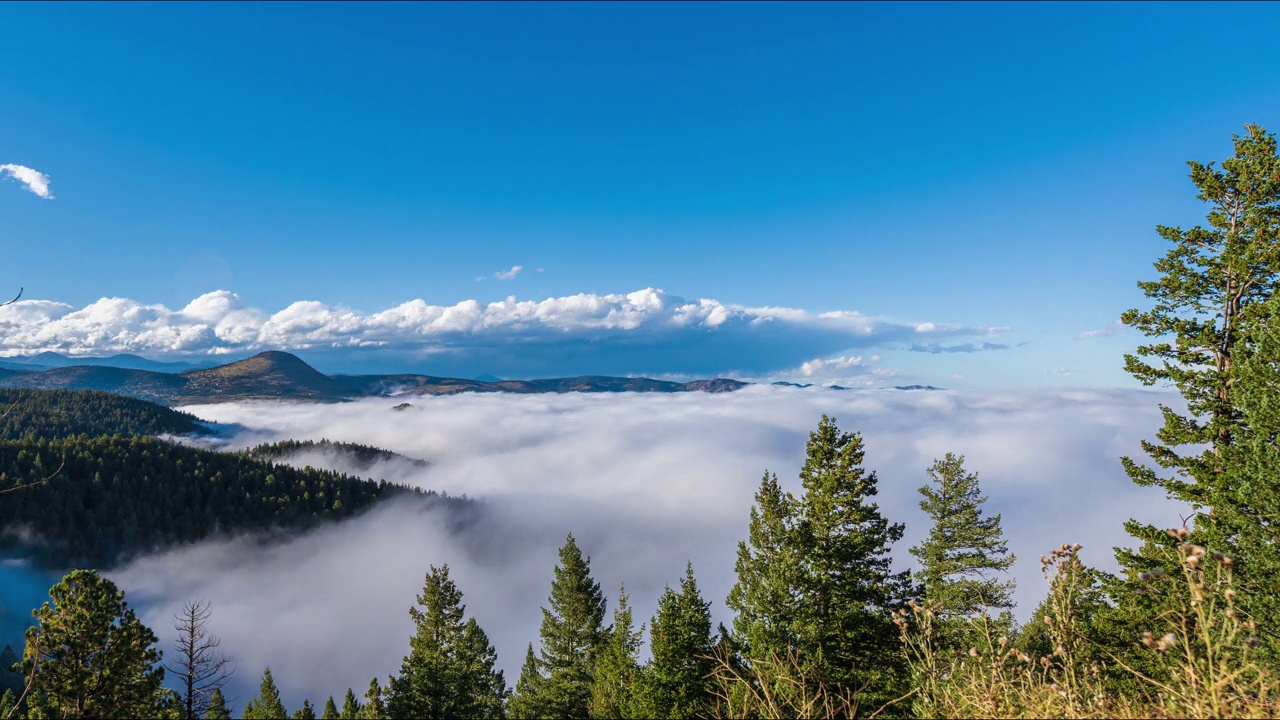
350, 706
572, 635
374, 707
449, 671
816, 588
525, 704
1214, 284
330, 710
266, 704
618, 665
95, 658
306, 712
217, 709
7, 701
675, 683
847, 589
960, 559
763, 599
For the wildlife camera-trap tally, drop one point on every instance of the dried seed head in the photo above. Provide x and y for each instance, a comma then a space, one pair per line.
1004, 642
1252, 641
1227, 562
973, 652
1229, 594
1076, 547
1218, 557
1231, 613
1168, 641
1144, 576
1148, 639
1048, 620
1193, 562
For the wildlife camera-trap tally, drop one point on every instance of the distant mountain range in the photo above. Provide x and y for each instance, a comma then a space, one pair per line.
281, 375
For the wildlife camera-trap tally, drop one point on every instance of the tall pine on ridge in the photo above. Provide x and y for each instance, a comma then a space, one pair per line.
617, 667
676, 684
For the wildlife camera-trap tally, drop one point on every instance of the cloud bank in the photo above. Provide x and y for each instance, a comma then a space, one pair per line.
34, 180
646, 331
645, 482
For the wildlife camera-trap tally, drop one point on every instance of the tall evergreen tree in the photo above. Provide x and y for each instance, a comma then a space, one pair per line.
217, 709
572, 635
847, 587
764, 597
93, 657
449, 672
374, 707
350, 706
330, 710
1213, 287
676, 682
816, 587
617, 666
961, 559
524, 703
306, 712
266, 704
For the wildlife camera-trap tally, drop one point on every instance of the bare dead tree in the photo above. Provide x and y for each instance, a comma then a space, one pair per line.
200, 667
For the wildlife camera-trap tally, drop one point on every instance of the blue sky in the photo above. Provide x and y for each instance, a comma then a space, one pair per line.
969, 173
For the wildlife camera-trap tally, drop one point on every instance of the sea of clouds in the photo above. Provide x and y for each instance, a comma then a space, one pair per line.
645, 483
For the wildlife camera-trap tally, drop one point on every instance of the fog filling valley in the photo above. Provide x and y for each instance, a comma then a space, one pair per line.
645, 482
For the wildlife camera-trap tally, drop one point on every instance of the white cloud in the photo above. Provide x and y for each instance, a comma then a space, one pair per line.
509, 274
644, 331
645, 482
36, 181
1060, 371
1107, 331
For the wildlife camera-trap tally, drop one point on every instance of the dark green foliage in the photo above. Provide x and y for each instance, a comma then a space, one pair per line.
362, 457
93, 657
572, 635
306, 712
449, 672
374, 707
116, 496
675, 683
524, 699
266, 704
617, 666
1248, 518
218, 709
1211, 297
330, 710
7, 701
764, 598
50, 414
350, 706
815, 587
965, 552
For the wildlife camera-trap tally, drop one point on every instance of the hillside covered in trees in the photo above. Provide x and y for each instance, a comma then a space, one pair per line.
51, 414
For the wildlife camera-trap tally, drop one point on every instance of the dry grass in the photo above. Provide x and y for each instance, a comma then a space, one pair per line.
1209, 646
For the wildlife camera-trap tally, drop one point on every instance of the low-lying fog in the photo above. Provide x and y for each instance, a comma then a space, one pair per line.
645, 482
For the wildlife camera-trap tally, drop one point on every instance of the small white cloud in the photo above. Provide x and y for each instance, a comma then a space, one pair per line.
509, 274
36, 181
843, 365
1060, 371
1107, 331
540, 270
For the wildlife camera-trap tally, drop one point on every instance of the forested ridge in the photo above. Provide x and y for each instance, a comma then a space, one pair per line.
48, 414
823, 623
363, 457
107, 498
